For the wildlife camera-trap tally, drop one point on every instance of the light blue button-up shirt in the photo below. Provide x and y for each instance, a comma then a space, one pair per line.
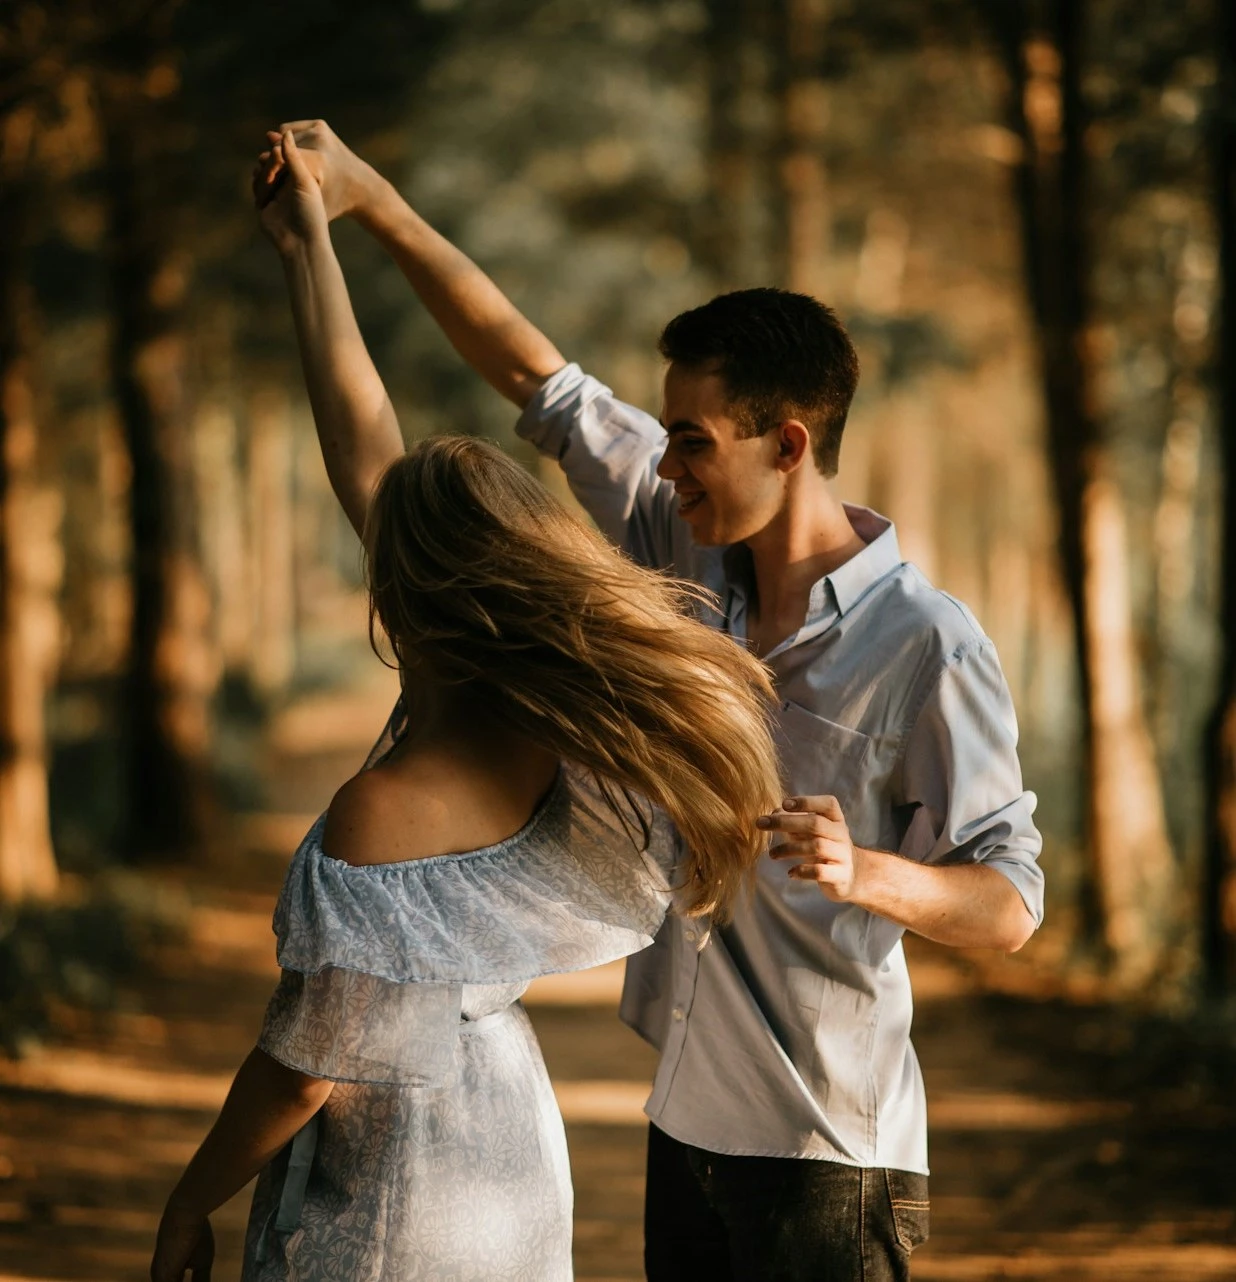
788, 1033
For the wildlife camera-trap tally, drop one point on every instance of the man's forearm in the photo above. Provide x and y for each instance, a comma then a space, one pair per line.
962, 905
482, 324
356, 422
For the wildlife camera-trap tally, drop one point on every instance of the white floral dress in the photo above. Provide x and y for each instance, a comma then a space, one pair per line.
440, 1154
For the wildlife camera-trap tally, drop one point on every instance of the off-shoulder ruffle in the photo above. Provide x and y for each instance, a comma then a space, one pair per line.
571, 890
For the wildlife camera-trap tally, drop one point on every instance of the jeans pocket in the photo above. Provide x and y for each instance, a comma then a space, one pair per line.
911, 1211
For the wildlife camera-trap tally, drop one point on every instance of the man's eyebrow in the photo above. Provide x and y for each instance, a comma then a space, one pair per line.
684, 425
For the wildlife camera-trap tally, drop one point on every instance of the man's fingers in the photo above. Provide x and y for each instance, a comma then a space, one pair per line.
301, 126
267, 184
266, 179
293, 159
824, 874
269, 192
813, 848
826, 805
813, 824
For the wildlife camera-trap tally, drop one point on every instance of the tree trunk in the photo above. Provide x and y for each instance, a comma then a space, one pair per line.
173, 664
808, 225
741, 239
1130, 854
28, 624
272, 540
903, 474
1220, 747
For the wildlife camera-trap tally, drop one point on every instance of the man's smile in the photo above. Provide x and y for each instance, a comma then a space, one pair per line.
688, 501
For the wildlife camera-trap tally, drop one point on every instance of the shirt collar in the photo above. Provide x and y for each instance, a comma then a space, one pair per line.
866, 568
849, 581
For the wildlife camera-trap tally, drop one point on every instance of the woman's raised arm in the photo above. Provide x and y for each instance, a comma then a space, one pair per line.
356, 422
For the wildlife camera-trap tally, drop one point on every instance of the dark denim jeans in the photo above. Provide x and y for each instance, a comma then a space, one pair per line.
776, 1219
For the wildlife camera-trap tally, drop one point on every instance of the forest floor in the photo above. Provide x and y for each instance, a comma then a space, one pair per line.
1068, 1141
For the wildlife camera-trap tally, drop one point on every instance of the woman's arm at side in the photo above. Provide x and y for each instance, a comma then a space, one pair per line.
267, 1104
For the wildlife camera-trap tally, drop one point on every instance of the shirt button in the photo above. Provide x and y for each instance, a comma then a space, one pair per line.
691, 936
677, 1012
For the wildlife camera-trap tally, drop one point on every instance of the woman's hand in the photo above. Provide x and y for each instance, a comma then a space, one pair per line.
287, 193
185, 1242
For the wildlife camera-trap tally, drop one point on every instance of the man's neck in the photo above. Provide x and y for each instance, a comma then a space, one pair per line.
810, 538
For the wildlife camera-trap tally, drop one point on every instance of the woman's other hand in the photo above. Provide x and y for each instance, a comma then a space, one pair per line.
287, 192
185, 1243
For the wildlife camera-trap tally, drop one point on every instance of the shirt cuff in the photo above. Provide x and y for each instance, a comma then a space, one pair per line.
547, 419
1026, 876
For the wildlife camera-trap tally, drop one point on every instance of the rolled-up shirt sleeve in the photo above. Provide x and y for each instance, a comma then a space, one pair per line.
609, 451
961, 778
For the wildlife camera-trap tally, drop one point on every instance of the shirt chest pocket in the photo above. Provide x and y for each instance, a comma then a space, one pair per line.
820, 757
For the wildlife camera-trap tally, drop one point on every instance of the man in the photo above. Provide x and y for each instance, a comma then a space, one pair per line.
788, 1135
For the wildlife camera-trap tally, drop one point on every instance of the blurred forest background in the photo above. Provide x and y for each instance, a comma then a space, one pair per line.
1024, 211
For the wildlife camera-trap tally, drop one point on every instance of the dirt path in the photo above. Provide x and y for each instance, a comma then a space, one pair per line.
1067, 1143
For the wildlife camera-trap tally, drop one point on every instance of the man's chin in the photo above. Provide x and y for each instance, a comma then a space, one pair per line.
704, 536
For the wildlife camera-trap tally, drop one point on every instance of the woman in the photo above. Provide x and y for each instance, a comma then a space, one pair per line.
396, 1103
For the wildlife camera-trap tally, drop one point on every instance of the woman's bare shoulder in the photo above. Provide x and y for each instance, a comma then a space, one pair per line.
379, 818
433, 803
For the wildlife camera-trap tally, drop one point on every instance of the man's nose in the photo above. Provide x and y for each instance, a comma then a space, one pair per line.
669, 467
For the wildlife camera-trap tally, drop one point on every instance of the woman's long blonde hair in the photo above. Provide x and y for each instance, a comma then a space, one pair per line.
480, 575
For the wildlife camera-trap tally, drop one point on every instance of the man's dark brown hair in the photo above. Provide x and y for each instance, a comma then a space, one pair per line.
780, 355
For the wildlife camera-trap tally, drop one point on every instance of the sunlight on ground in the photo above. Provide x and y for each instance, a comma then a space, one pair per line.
604, 1102
1038, 1172
84, 1075
1175, 1262
601, 986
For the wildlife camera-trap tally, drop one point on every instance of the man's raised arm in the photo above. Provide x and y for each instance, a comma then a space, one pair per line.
501, 344
608, 450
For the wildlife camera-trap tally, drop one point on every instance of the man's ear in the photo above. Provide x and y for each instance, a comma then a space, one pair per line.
793, 445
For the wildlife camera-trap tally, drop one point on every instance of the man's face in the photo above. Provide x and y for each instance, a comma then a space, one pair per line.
729, 488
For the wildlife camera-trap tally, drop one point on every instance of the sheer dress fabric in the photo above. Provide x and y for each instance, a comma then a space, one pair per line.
440, 1154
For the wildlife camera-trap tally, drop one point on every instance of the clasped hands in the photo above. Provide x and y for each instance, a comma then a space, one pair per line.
305, 179
817, 840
